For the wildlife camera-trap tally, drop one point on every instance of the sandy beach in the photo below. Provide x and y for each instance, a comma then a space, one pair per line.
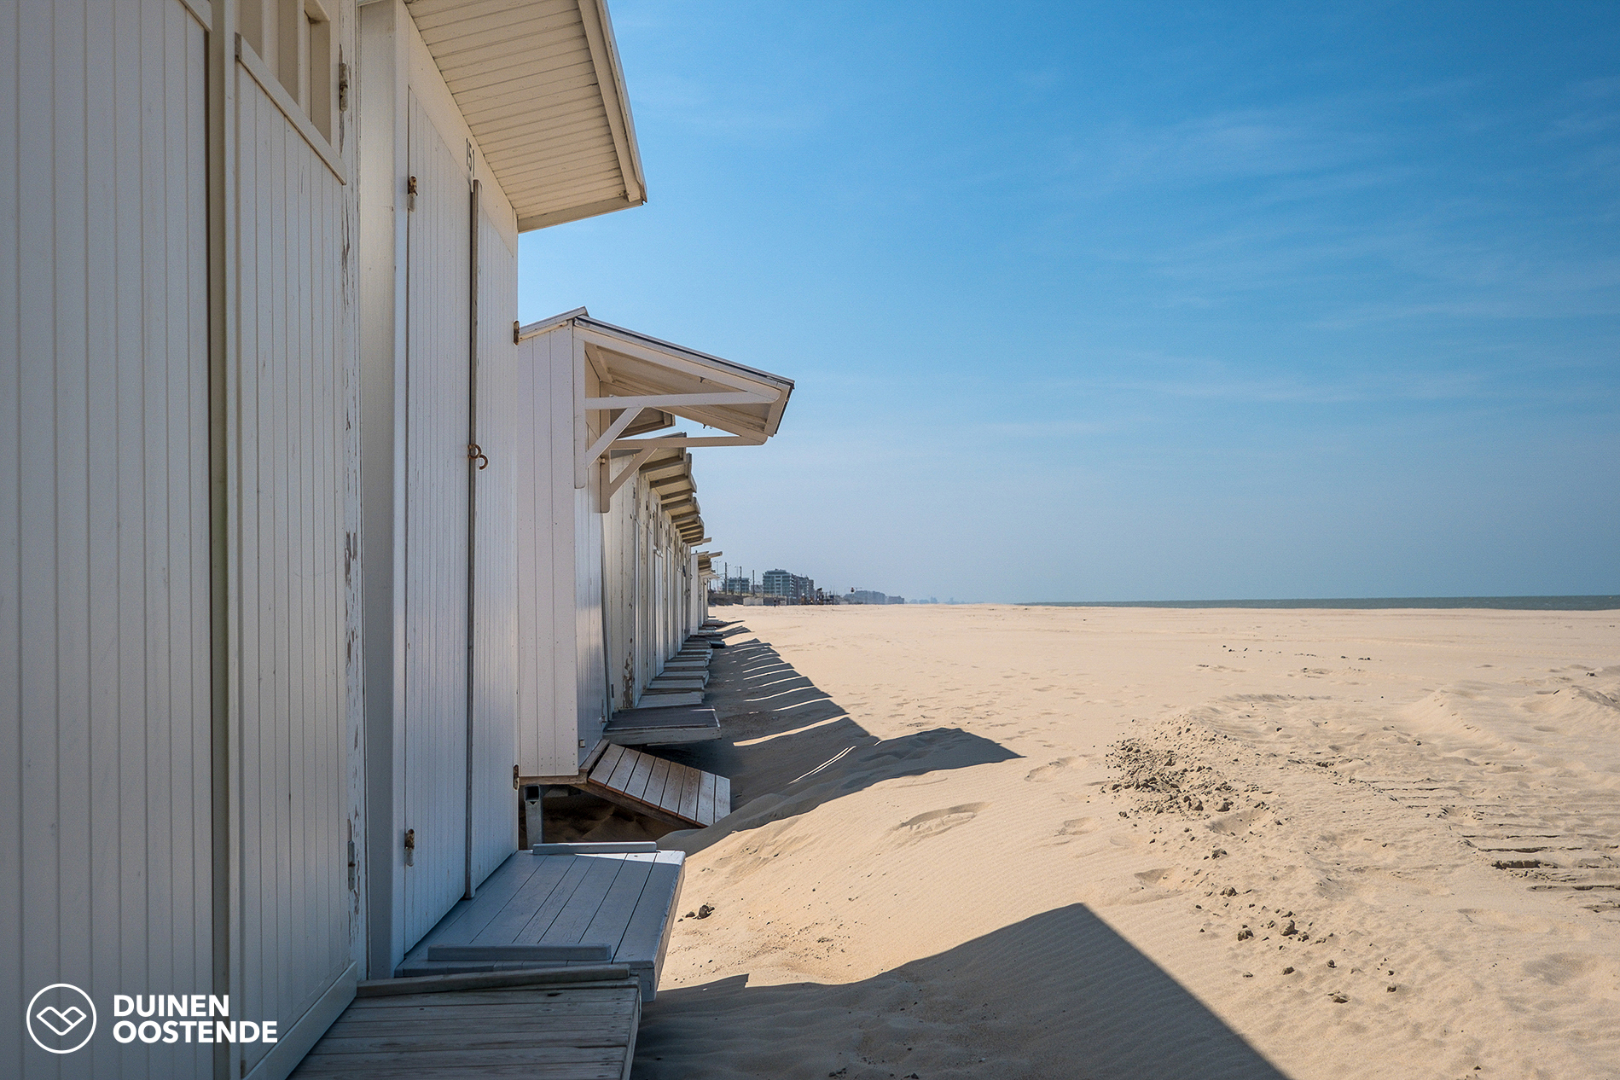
1083, 842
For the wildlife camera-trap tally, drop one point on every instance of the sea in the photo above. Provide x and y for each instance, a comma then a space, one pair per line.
1501, 603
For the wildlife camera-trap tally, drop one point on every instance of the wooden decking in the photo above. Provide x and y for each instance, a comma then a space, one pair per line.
662, 789
662, 726
582, 906
573, 1025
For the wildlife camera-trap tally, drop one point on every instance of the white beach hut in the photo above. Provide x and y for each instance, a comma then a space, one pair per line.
480, 122
234, 236
608, 520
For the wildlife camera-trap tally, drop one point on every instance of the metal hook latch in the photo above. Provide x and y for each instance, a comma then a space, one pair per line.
476, 454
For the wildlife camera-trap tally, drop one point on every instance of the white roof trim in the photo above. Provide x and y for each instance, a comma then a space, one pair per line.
640, 372
541, 87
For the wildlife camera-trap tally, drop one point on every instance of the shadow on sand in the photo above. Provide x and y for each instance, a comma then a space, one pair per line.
1056, 995
788, 747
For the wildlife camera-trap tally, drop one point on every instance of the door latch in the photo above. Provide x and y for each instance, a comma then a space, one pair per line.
475, 453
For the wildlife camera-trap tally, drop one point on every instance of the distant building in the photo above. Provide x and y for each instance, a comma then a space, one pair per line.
790, 587
865, 596
737, 585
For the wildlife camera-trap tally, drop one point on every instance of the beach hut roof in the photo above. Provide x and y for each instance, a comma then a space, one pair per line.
540, 85
639, 373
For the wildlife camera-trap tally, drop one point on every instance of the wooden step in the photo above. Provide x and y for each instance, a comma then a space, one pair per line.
659, 699
662, 726
662, 789
558, 910
684, 680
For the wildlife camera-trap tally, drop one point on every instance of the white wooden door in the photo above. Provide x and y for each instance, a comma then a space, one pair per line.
495, 582
434, 720
105, 843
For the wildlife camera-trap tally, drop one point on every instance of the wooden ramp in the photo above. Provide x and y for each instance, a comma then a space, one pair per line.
562, 906
573, 1024
662, 789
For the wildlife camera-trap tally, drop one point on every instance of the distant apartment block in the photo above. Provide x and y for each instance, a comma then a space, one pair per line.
790, 587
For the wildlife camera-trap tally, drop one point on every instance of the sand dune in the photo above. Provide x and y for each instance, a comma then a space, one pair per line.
991, 841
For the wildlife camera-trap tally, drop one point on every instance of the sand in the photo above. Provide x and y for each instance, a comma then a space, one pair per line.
1060, 842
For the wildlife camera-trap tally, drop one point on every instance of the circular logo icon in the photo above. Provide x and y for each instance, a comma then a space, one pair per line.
61, 1018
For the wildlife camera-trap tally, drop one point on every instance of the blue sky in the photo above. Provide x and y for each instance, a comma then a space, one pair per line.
1137, 301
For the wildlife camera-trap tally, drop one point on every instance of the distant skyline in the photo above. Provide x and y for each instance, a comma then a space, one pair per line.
1137, 302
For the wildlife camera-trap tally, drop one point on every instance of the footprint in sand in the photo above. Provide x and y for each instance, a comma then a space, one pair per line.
935, 822
1079, 826
1051, 769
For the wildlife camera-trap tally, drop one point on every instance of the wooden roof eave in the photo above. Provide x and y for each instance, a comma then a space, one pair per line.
509, 66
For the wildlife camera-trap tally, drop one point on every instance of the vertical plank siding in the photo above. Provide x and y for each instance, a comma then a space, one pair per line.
495, 645
547, 504
434, 720
293, 505
604, 599
104, 587
181, 664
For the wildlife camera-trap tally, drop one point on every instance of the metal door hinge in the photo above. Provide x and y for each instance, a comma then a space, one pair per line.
410, 847
410, 195
343, 87
351, 866
514, 777
517, 332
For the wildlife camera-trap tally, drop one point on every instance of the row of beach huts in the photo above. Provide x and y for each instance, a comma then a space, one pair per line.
315, 560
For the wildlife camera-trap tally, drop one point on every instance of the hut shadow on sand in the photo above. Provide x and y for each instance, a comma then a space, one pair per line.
1059, 994
788, 747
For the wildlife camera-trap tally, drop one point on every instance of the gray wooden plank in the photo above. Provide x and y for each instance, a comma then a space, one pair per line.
570, 923
647, 934
467, 918
549, 1071
589, 949
722, 796
607, 763
559, 874
613, 916
659, 699
410, 1051
578, 1029
689, 794
655, 783
562, 999
639, 776
670, 800
624, 770
705, 803
607, 848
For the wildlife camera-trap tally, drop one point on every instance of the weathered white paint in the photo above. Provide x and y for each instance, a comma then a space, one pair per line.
431, 770
383, 92
178, 655
182, 290
289, 502
562, 679
434, 718
104, 596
